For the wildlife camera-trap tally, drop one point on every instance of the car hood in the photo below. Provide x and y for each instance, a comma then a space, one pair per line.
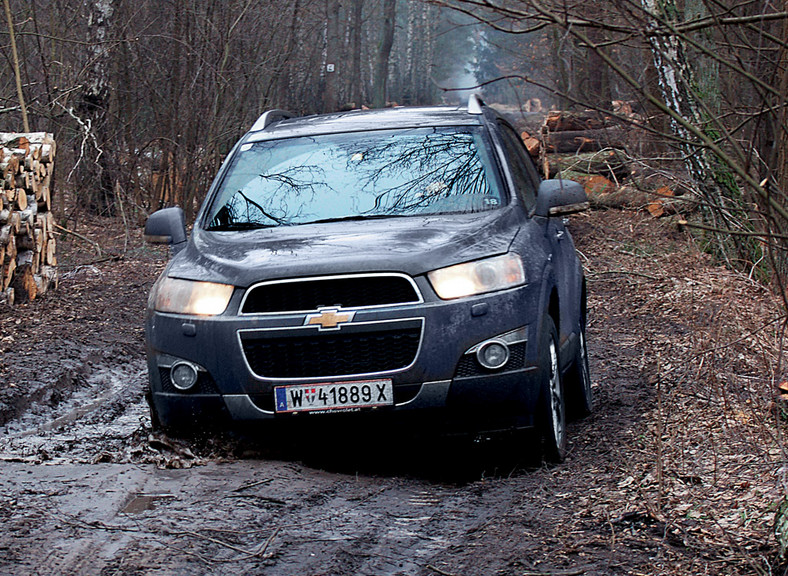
413, 245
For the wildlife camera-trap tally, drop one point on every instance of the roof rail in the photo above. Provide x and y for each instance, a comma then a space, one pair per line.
475, 104
269, 118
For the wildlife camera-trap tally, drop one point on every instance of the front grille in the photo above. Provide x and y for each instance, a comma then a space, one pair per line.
332, 353
469, 365
345, 292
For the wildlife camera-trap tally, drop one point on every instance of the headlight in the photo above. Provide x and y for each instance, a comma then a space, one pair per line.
189, 297
478, 277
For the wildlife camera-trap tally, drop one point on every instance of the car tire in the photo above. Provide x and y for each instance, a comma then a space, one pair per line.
551, 410
579, 395
155, 421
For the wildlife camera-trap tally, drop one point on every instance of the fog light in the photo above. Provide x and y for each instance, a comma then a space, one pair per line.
493, 354
183, 375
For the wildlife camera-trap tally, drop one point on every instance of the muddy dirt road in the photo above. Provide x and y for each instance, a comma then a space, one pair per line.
660, 479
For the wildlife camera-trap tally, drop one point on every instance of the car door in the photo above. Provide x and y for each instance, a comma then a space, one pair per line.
560, 244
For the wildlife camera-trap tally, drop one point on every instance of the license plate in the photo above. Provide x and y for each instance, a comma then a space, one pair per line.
334, 396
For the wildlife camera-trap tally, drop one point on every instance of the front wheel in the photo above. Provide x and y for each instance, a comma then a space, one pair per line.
551, 411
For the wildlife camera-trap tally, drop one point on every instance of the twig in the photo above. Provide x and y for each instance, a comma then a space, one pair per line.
109, 258
81, 237
438, 570
221, 543
253, 484
576, 572
262, 550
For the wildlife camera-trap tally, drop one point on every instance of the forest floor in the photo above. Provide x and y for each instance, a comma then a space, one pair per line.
679, 470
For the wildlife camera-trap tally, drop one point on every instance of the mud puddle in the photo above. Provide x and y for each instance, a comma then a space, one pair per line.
97, 417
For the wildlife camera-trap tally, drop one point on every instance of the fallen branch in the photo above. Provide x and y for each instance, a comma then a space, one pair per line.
81, 237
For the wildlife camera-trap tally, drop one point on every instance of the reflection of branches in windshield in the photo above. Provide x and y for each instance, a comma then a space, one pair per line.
436, 166
251, 202
398, 172
277, 190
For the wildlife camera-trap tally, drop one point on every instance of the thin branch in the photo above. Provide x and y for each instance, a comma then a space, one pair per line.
81, 237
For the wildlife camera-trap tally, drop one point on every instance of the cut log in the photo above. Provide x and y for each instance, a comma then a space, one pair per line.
15, 221
49, 277
44, 199
10, 166
8, 272
47, 153
608, 163
584, 140
7, 296
10, 139
10, 247
21, 199
24, 284
662, 203
596, 185
533, 145
562, 120
51, 254
25, 243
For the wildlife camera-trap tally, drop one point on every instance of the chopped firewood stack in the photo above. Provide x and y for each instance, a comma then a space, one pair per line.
27, 242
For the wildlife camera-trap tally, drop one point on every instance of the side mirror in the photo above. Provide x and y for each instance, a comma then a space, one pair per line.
167, 226
560, 197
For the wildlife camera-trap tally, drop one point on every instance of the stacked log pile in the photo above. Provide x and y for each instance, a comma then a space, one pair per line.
27, 242
574, 141
590, 148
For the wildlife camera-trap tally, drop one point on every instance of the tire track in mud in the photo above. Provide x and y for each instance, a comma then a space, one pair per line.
98, 415
262, 517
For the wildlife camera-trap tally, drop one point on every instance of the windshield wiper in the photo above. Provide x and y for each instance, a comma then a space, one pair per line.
351, 218
239, 226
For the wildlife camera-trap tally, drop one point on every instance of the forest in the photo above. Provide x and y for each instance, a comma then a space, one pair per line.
146, 98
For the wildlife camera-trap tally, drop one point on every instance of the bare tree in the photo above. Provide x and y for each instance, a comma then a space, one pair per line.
739, 184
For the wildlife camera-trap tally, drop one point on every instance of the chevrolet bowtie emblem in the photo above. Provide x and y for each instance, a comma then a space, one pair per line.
329, 319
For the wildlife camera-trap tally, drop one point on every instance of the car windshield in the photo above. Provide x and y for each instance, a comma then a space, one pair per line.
357, 175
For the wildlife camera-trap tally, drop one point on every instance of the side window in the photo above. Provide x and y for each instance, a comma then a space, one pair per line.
522, 169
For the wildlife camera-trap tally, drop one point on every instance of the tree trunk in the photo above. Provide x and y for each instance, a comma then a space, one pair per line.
384, 53
97, 180
355, 82
17, 75
720, 196
780, 163
333, 55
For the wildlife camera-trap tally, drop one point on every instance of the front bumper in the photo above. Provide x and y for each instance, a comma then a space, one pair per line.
443, 385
